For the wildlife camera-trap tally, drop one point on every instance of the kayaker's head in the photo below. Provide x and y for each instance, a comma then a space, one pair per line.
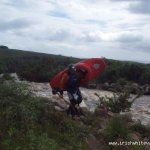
71, 68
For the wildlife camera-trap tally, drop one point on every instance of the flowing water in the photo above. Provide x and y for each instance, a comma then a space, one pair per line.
140, 108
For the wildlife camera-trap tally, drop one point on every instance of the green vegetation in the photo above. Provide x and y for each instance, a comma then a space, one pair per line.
120, 102
143, 130
117, 129
117, 103
30, 123
32, 66
130, 71
41, 67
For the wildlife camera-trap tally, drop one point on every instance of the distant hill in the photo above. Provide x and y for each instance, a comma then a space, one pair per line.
32, 66
6, 52
40, 67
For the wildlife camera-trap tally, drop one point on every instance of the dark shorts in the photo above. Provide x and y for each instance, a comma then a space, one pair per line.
75, 98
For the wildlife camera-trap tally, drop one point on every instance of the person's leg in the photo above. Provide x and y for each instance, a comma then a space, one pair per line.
71, 109
76, 111
80, 111
73, 102
79, 100
68, 110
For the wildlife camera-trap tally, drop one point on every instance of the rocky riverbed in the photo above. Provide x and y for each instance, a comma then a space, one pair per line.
140, 109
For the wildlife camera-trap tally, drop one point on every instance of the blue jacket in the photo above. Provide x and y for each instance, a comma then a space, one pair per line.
73, 82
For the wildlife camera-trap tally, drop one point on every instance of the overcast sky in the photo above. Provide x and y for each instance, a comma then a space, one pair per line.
116, 29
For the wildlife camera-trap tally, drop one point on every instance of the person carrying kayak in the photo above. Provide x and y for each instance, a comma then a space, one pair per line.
70, 81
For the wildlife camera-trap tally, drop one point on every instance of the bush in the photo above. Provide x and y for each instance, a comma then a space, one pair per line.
119, 102
5, 77
117, 128
142, 129
29, 123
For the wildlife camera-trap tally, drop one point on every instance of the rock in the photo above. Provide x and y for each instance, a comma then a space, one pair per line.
58, 108
83, 105
84, 95
93, 143
102, 111
111, 114
105, 86
146, 140
147, 147
135, 85
92, 86
15, 76
127, 116
146, 89
100, 131
131, 124
99, 86
112, 85
135, 136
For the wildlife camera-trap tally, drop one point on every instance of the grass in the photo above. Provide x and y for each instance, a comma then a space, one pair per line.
143, 130
117, 129
29, 123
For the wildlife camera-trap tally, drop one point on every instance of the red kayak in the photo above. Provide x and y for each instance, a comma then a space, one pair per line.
94, 67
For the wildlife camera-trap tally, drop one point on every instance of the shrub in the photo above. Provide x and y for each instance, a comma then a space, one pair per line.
29, 123
5, 77
119, 102
117, 128
142, 129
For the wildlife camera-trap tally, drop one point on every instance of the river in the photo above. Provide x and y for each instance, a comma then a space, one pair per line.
140, 108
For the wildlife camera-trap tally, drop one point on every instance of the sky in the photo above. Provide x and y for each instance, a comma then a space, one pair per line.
115, 29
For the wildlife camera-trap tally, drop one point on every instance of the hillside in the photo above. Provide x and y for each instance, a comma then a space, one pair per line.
40, 67
32, 66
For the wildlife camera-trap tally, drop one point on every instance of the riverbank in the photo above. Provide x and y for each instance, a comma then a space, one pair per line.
29, 121
140, 109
